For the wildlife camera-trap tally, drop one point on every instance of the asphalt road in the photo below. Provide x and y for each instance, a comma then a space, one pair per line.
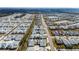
49, 37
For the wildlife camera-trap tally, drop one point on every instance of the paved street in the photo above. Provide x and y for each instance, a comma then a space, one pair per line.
49, 37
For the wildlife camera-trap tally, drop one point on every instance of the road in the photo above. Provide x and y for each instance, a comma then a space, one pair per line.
48, 34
